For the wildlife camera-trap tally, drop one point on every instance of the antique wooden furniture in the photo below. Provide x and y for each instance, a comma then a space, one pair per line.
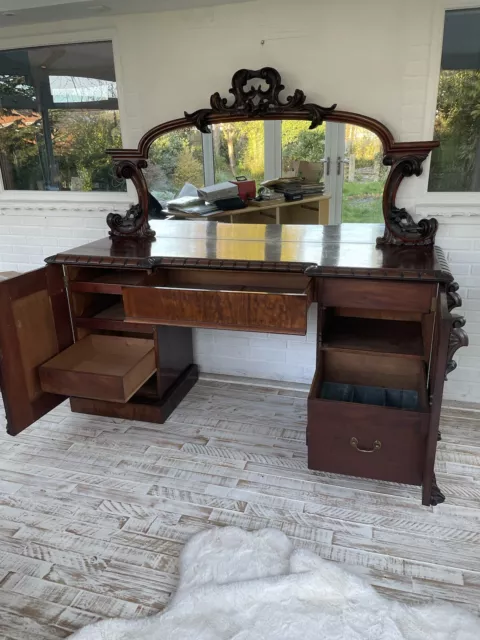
312, 210
109, 324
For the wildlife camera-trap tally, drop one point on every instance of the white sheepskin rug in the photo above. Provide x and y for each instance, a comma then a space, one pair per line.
255, 586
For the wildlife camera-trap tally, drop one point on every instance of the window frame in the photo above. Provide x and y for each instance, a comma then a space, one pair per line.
441, 202
54, 197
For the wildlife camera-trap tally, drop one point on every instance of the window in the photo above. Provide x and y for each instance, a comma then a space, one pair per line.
58, 114
173, 160
455, 164
239, 150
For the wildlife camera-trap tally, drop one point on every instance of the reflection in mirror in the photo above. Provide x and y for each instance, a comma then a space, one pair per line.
364, 176
175, 158
239, 149
300, 144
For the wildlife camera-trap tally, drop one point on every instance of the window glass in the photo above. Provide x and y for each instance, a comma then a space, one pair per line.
174, 159
239, 150
58, 114
301, 144
364, 176
455, 164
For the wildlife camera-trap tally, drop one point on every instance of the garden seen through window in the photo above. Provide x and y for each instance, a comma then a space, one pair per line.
455, 164
58, 114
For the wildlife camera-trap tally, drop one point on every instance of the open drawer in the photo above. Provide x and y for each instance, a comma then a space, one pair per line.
271, 302
100, 367
368, 417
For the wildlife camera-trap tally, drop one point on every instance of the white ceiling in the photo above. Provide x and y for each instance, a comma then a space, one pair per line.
31, 11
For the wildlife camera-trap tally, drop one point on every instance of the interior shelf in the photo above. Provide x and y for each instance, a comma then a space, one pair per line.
112, 319
393, 337
109, 282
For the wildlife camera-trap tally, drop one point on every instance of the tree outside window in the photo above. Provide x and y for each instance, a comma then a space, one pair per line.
58, 114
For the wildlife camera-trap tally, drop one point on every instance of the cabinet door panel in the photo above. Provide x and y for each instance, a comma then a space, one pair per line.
34, 326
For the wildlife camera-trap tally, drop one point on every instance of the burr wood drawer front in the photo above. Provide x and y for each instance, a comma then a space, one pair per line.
377, 294
269, 302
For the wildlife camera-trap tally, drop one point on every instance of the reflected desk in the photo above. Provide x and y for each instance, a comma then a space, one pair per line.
312, 210
109, 325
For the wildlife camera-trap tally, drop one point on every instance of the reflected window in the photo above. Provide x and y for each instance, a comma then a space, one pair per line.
173, 160
364, 176
239, 150
455, 164
58, 114
303, 150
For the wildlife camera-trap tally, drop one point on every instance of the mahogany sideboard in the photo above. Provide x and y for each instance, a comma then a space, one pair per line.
109, 325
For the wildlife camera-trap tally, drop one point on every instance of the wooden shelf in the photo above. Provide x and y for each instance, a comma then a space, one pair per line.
112, 319
109, 282
392, 337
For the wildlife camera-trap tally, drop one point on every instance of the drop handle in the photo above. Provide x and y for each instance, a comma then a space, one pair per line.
377, 445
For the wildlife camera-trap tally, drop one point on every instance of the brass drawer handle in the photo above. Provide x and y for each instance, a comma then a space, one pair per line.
377, 445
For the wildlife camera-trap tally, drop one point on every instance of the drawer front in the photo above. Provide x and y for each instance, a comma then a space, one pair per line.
377, 294
251, 311
366, 441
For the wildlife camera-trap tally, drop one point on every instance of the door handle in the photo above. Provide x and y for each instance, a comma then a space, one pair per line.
341, 161
377, 445
326, 162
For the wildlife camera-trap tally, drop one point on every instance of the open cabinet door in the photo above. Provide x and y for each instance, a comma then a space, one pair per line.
448, 337
34, 326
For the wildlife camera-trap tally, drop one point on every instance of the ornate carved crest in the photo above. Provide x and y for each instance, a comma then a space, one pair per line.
255, 102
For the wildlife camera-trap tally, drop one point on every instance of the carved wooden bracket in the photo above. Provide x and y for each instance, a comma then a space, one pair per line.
252, 102
458, 338
135, 221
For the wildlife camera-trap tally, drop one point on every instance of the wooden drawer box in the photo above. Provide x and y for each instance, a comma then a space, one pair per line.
271, 302
377, 294
367, 440
100, 367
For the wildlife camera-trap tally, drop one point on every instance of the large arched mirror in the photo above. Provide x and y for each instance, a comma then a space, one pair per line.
333, 166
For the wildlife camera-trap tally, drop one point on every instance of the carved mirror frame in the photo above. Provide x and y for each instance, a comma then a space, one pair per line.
251, 102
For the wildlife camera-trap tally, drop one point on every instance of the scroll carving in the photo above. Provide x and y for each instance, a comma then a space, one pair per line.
255, 102
454, 299
458, 338
135, 221
400, 227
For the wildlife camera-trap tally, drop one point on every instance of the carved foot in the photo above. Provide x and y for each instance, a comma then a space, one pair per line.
439, 436
436, 496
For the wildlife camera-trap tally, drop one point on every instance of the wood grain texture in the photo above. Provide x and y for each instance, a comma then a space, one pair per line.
94, 511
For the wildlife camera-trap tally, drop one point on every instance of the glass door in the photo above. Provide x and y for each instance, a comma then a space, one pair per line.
356, 174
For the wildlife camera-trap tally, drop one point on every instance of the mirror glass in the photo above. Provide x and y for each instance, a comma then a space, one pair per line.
345, 158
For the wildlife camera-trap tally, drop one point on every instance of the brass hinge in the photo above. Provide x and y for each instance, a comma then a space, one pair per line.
433, 306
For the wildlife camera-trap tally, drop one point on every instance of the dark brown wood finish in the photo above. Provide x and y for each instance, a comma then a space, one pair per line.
345, 251
34, 327
256, 103
144, 407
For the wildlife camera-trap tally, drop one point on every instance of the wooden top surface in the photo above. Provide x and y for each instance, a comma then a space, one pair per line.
337, 250
272, 204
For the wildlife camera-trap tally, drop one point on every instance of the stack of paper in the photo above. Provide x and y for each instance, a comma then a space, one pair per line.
221, 191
